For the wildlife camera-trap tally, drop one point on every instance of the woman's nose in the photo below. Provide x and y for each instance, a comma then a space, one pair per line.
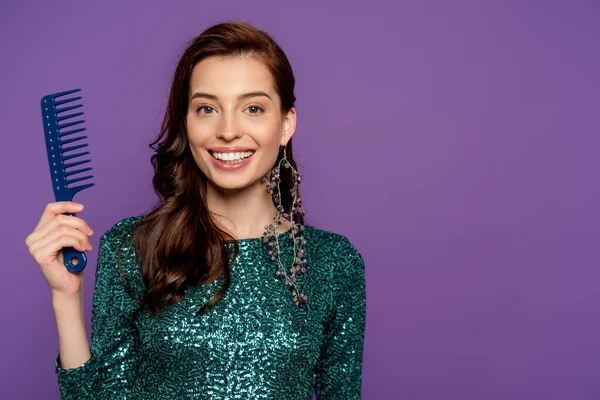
228, 129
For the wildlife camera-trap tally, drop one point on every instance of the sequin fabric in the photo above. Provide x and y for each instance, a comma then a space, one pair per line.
255, 343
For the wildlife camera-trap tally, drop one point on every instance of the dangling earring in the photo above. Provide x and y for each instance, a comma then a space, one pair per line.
295, 233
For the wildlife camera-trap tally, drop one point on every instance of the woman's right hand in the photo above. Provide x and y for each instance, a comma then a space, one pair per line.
53, 232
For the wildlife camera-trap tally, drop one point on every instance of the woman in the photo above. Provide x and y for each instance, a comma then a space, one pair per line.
220, 291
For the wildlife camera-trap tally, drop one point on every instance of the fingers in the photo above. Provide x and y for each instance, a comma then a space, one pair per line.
54, 223
41, 254
59, 207
76, 238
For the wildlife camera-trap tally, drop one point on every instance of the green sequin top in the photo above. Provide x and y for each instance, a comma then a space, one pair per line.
254, 343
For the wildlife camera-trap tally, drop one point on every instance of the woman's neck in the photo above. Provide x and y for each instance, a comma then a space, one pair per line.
243, 213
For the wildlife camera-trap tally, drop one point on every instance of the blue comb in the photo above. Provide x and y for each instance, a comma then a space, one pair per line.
59, 128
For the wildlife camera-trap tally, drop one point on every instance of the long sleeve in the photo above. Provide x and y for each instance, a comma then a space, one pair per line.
339, 369
111, 370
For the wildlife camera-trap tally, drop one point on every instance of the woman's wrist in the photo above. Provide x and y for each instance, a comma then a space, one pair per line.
70, 322
60, 299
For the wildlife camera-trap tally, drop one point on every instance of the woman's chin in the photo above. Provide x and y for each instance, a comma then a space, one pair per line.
234, 184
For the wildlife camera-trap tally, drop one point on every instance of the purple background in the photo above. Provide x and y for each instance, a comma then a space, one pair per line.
454, 143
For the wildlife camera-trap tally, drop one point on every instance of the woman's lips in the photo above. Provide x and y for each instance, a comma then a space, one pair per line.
230, 166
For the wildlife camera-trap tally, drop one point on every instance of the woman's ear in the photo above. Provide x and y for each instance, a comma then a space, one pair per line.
289, 126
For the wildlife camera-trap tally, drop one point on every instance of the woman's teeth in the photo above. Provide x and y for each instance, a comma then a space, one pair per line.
232, 157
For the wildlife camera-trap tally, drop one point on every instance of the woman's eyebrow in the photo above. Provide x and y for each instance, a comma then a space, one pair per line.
240, 97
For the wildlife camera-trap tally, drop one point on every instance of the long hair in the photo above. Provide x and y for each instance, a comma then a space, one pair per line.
178, 243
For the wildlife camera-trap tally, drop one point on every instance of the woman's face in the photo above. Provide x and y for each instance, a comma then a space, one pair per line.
234, 121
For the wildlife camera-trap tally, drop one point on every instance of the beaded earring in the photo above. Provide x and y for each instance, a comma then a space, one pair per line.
271, 236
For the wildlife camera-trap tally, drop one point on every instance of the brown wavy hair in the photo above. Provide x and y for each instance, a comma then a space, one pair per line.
178, 243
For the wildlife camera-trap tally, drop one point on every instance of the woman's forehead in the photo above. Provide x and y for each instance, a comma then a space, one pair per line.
231, 76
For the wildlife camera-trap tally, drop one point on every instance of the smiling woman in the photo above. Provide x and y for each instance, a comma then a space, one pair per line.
234, 100
221, 290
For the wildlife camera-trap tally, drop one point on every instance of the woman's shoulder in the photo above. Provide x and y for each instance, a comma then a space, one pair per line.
115, 236
331, 244
122, 228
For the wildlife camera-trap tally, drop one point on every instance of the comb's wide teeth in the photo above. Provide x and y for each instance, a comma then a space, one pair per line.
79, 146
63, 142
79, 188
70, 124
74, 164
58, 103
55, 95
83, 178
71, 132
75, 155
68, 108
68, 116
61, 112
77, 171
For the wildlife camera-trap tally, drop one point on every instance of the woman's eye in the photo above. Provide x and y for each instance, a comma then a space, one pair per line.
255, 109
208, 109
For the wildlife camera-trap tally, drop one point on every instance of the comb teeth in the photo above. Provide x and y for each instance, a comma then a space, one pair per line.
68, 108
75, 155
70, 124
69, 116
76, 189
79, 146
57, 121
83, 178
71, 132
63, 142
74, 164
55, 95
59, 103
77, 171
